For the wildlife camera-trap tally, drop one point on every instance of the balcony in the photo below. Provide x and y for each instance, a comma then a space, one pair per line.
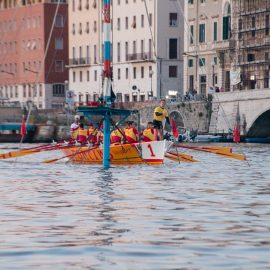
79, 61
140, 57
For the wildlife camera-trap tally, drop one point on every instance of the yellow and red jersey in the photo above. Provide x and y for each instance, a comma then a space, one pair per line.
116, 136
92, 133
82, 135
131, 134
148, 135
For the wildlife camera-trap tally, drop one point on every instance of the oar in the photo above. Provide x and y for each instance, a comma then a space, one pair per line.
25, 152
224, 154
215, 148
67, 156
183, 157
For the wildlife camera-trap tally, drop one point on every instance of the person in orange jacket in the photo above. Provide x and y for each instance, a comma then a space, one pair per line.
82, 134
131, 133
100, 136
148, 133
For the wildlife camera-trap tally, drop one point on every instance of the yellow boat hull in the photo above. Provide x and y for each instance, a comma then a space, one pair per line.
126, 154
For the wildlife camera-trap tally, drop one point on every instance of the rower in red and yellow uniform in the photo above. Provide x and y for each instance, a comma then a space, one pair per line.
131, 133
92, 132
117, 136
148, 133
100, 136
82, 134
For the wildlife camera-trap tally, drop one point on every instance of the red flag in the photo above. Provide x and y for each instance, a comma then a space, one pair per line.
174, 129
236, 134
23, 127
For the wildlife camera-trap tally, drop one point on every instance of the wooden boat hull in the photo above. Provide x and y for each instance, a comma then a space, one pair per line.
126, 154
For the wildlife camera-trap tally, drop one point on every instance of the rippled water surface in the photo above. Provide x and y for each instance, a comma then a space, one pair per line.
210, 215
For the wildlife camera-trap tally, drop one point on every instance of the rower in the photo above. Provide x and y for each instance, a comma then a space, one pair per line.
100, 136
74, 127
92, 132
117, 135
148, 133
131, 133
159, 114
82, 134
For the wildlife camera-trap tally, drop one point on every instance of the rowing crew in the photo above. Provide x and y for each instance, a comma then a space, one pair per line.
130, 134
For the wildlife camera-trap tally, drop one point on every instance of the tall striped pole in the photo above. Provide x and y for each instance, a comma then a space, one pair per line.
107, 50
107, 80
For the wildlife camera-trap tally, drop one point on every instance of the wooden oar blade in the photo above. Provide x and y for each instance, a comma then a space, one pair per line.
183, 157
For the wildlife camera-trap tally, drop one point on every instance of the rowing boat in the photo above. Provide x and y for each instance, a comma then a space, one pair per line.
122, 154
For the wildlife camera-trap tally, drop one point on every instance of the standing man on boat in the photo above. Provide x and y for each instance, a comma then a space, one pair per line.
74, 127
160, 113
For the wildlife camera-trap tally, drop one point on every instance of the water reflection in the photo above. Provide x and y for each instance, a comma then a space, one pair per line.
208, 215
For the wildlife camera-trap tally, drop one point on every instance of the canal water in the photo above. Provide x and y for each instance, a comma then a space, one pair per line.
210, 215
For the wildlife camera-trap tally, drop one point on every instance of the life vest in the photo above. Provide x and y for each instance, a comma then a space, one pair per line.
92, 132
148, 135
74, 130
160, 110
130, 134
116, 136
82, 135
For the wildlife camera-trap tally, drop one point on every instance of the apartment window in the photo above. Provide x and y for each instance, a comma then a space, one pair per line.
190, 2
142, 72
81, 76
191, 41
58, 90
88, 75
266, 79
126, 22
126, 73
95, 54
190, 62
40, 90
172, 71
59, 21
134, 22
126, 50
253, 25
142, 47
150, 19
215, 31
118, 24
191, 82
267, 25
251, 57
59, 45
203, 84
173, 48
226, 27
134, 73
118, 73
240, 27
59, 66
134, 47
95, 75
202, 33
173, 19
201, 62
142, 21
74, 76
118, 52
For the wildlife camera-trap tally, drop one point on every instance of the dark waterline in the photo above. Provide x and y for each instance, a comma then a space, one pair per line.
210, 215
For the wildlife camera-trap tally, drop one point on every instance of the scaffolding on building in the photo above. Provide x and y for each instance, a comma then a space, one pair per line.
251, 38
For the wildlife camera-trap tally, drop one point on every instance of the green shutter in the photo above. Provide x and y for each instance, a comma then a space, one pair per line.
225, 28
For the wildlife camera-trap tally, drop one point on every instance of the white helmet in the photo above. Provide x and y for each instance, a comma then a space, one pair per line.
77, 117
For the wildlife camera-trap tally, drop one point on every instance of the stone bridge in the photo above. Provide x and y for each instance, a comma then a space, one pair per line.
254, 112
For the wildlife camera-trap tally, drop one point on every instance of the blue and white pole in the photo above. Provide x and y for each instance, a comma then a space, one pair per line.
107, 80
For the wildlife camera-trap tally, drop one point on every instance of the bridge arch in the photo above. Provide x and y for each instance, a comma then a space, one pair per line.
260, 128
179, 121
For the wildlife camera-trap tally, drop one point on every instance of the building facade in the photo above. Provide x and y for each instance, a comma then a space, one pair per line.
251, 36
207, 58
34, 52
146, 49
